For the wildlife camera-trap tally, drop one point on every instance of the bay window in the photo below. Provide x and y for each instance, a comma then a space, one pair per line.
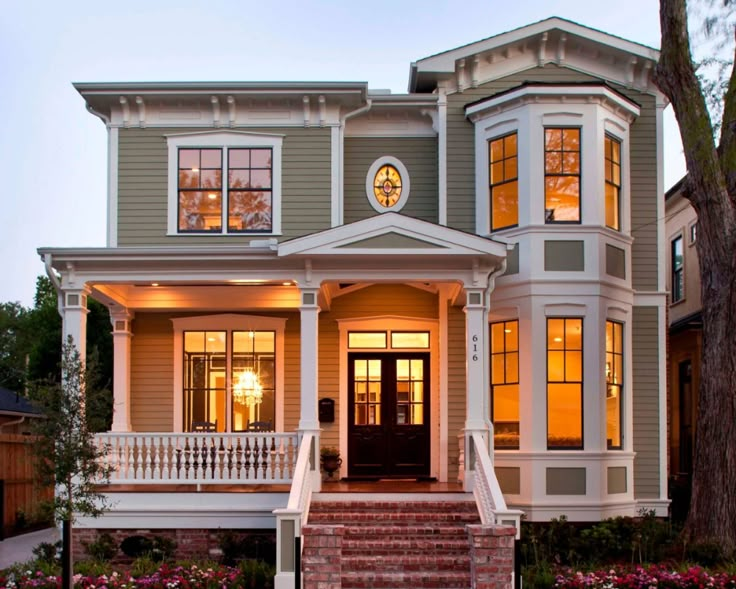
504, 182
614, 383
561, 175
564, 383
612, 164
505, 384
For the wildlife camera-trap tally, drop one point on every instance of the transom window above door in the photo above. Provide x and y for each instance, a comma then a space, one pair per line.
224, 183
384, 340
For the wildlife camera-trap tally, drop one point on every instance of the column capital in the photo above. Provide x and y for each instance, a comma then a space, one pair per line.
120, 320
309, 296
475, 298
74, 298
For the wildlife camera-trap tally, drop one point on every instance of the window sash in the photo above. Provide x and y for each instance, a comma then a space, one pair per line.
505, 384
612, 165
503, 174
565, 383
678, 263
565, 183
614, 379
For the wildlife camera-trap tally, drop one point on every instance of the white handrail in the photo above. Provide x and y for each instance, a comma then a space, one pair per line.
487, 491
201, 458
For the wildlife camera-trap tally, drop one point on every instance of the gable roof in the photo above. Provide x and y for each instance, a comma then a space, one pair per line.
12, 403
547, 39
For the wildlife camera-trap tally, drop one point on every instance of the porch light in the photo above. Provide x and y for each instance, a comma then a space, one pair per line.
248, 390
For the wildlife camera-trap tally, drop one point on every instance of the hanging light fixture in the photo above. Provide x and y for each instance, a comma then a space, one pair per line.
248, 390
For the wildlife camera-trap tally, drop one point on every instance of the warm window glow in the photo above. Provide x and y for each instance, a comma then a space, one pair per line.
504, 182
564, 383
409, 392
612, 162
253, 377
367, 383
204, 378
387, 186
249, 189
200, 190
505, 384
614, 383
561, 175
409, 339
368, 340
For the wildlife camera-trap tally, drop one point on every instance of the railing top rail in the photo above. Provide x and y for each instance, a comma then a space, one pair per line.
198, 434
301, 474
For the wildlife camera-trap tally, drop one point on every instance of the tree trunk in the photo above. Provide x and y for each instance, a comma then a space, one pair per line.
712, 516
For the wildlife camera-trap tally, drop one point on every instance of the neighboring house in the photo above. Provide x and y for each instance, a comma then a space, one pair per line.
387, 274
685, 328
15, 412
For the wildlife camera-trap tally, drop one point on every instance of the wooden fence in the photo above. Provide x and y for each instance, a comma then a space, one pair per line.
19, 492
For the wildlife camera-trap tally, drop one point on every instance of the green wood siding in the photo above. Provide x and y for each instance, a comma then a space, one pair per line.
456, 386
418, 154
645, 352
143, 189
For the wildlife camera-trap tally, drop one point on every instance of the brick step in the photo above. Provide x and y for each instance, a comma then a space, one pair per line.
391, 518
398, 506
405, 532
414, 580
404, 545
407, 563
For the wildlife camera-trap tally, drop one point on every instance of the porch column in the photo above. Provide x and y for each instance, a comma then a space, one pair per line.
121, 336
73, 310
476, 357
308, 419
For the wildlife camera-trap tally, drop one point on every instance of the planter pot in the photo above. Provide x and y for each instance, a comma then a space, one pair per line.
331, 464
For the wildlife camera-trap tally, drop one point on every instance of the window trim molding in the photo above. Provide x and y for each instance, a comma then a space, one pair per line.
491, 185
405, 183
228, 322
223, 139
673, 239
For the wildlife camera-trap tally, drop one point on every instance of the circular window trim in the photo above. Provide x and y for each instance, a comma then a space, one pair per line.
405, 184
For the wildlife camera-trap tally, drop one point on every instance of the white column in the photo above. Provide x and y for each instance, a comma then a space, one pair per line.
308, 418
121, 336
74, 319
476, 327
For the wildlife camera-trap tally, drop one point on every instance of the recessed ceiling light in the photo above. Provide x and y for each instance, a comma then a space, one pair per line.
154, 284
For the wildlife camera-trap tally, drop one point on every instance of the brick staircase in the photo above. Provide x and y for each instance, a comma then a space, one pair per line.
411, 543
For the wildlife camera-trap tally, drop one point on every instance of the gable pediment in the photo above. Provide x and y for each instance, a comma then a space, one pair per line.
391, 234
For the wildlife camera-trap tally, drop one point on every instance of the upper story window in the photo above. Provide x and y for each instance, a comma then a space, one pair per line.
678, 270
387, 184
561, 175
612, 161
504, 176
693, 233
224, 182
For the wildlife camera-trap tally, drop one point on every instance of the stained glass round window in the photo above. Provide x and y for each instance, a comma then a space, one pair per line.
387, 186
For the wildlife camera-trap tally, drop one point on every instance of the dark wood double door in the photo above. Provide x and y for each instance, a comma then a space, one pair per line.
388, 408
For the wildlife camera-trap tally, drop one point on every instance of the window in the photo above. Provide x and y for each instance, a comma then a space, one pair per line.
614, 383
678, 278
564, 383
387, 184
693, 233
612, 163
561, 175
505, 384
250, 378
504, 182
228, 371
224, 183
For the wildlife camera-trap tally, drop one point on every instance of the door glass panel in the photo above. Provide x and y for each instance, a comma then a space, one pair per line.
367, 392
409, 391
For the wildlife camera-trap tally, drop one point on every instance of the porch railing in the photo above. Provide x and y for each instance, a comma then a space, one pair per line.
487, 491
211, 458
289, 521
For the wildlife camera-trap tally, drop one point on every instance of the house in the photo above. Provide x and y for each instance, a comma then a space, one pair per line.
685, 325
15, 411
295, 265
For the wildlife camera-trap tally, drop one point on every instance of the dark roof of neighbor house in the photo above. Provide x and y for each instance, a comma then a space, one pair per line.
15, 404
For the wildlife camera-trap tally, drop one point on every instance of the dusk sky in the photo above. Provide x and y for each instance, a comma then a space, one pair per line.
53, 152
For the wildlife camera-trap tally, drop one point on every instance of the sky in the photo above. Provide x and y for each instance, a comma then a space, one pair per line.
53, 152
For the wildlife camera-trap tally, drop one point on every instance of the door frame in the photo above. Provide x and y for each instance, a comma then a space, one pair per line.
438, 402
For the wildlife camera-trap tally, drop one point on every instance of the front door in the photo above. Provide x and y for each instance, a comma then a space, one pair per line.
388, 405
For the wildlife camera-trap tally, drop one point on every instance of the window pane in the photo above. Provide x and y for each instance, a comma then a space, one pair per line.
210, 178
189, 159
506, 403
410, 339
614, 384
200, 211
553, 163
512, 367
553, 139
188, 179
571, 162
260, 178
511, 330
573, 366
211, 158
555, 334
509, 145
562, 198
504, 205
571, 139
367, 340
509, 168
497, 338
239, 158
564, 416
556, 366
204, 379
498, 369
497, 173
250, 211
496, 150
612, 207
239, 178
574, 334
260, 158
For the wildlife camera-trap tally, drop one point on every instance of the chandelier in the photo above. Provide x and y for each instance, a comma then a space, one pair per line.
248, 390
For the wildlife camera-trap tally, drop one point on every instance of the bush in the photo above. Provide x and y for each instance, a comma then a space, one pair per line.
48, 552
236, 547
157, 548
255, 574
102, 549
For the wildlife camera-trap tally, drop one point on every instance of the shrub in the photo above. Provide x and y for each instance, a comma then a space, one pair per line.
48, 552
102, 549
247, 546
157, 548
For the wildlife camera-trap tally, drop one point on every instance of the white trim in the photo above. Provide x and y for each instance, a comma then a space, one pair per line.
662, 371
661, 237
223, 139
390, 323
112, 186
387, 160
335, 167
228, 322
442, 155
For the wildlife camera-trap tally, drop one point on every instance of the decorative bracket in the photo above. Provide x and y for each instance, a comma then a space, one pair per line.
126, 111
231, 107
141, 111
215, 110
305, 103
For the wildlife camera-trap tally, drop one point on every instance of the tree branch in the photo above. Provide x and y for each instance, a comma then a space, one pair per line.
675, 77
727, 146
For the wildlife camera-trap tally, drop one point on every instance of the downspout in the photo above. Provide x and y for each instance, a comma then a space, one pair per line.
16, 422
341, 153
47, 261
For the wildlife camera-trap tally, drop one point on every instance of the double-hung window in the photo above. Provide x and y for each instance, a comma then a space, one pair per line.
224, 183
504, 182
565, 383
612, 162
561, 175
614, 383
505, 384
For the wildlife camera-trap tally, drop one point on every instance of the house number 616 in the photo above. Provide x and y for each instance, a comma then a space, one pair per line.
475, 348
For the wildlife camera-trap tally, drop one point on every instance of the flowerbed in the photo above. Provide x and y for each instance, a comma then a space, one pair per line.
165, 578
654, 577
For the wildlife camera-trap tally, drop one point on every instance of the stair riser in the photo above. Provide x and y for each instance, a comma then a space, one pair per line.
392, 518
405, 565
406, 581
